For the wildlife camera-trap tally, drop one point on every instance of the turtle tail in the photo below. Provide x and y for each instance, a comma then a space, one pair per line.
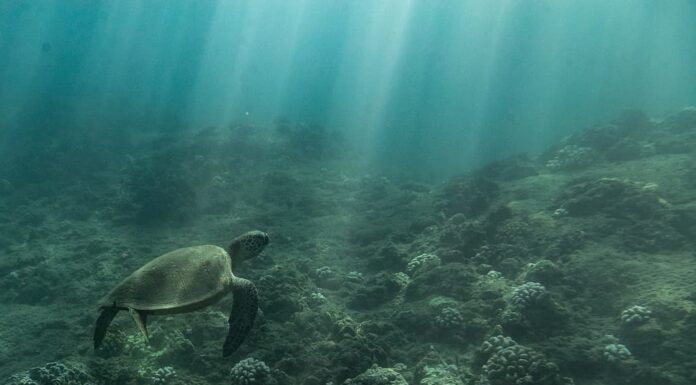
243, 314
107, 315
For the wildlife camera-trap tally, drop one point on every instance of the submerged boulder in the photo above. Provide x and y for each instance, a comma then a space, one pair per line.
611, 196
451, 280
468, 195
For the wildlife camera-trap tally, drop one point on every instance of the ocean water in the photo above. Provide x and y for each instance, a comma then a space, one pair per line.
454, 192
430, 85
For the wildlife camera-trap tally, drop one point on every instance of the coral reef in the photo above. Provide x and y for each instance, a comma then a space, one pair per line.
421, 263
571, 157
611, 196
375, 291
53, 373
469, 196
316, 299
494, 344
377, 376
517, 364
452, 280
532, 311
635, 315
527, 295
326, 277
281, 292
250, 371
366, 271
544, 272
441, 374
163, 376
449, 318
616, 353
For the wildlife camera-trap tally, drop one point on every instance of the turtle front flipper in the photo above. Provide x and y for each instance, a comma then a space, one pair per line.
243, 313
105, 318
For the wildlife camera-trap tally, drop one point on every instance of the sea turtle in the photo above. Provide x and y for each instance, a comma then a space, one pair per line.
185, 280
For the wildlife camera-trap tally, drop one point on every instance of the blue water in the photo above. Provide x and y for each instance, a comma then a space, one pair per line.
435, 85
344, 129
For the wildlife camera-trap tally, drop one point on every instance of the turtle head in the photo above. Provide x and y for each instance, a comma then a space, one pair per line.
247, 245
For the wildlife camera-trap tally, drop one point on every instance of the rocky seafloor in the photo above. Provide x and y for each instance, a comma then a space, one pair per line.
573, 266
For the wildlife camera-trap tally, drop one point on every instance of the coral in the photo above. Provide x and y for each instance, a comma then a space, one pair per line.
520, 365
491, 346
377, 376
315, 299
531, 310
421, 263
468, 195
493, 275
354, 276
345, 328
250, 371
53, 373
517, 231
135, 345
449, 321
325, 277
324, 273
375, 291
526, 295
616, 353
388, 257
452, 280
163, 376
635, 315
281, 290
177, 348
114, 343
501, 256
615, 197
496, 343
401, 279
448, 318
544, 271
464, 237
356, 353
559, 213
441, 374
571, 157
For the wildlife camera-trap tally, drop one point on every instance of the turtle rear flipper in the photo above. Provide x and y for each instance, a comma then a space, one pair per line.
140, 319
105, 318
242, 316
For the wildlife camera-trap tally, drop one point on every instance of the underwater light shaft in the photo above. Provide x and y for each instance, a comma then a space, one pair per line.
414, 83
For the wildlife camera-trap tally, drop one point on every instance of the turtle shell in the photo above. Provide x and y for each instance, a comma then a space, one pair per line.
181, 280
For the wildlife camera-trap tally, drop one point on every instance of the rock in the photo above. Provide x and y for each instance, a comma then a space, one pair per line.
377, 376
